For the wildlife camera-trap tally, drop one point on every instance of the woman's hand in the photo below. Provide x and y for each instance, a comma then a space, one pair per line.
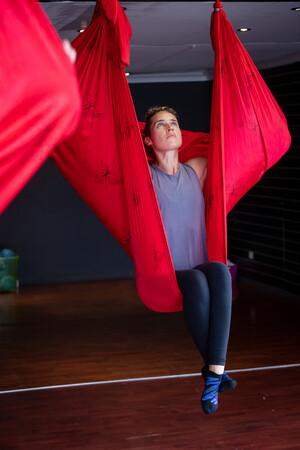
70, 51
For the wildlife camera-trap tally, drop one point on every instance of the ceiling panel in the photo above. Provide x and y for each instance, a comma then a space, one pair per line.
172, 38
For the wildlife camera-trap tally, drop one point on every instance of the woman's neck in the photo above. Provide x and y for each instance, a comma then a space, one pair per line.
168, 163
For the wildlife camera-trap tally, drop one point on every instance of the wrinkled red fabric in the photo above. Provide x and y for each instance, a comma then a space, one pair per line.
106, 163
105, 159
248, 134
39, 94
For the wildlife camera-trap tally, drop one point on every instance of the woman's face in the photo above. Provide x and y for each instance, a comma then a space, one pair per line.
165, 134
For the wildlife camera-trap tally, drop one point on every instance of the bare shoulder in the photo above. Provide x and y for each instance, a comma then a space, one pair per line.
200, 167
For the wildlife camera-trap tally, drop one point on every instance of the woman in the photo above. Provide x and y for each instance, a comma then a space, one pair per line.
206, 287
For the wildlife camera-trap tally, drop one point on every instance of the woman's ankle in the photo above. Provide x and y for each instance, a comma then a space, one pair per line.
219, 370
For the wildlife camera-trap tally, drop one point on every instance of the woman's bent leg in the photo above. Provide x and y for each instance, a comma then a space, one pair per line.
207, 311
196, 306
220, 288
207, 308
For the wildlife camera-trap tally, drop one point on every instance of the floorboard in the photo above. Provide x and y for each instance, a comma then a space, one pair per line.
100, 331
263, 412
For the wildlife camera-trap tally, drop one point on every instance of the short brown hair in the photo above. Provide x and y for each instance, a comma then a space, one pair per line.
154, 110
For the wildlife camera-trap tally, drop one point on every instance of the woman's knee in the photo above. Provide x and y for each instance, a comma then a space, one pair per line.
192, 281
220, 271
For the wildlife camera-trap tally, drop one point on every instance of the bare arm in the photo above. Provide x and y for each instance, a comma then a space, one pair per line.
200, 167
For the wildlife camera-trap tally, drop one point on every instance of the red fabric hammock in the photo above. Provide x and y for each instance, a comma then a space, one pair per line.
105, 159
39, 95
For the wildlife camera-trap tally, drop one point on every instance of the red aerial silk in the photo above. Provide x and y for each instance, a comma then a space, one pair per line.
105, 159
106, 163
39, 95
248, 134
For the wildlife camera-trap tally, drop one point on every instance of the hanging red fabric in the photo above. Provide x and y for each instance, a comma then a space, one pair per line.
39, 95
248, 134
106, 163
105, 159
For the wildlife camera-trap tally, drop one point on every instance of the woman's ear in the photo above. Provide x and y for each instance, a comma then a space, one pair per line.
148, 141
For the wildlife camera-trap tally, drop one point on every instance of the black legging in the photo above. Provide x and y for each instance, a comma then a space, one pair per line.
207, 298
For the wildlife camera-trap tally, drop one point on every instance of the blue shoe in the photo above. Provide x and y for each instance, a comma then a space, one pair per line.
209, 399
227, 383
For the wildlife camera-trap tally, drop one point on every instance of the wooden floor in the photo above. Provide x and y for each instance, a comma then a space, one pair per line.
61, 337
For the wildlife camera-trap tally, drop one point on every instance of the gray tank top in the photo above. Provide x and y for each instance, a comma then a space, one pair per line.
182, 209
